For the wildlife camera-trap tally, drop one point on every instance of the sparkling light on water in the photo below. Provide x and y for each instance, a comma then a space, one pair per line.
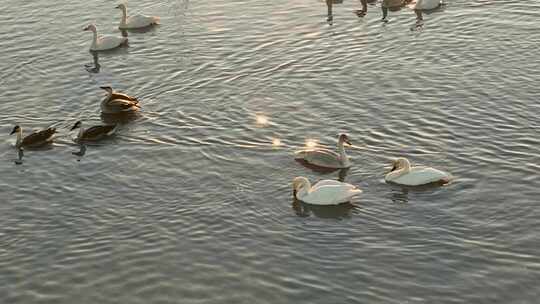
311, 143
262, 120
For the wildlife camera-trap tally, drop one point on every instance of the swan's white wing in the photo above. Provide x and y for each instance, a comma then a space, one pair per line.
109, 42
421, 176
329, 182
331, 194
137, 21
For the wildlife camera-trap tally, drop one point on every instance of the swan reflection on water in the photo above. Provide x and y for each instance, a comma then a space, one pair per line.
340, 211
400, 193
342, 173
96, 66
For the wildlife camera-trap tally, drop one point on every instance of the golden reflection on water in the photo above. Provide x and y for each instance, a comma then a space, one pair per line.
276, 142
311, 143
262, 120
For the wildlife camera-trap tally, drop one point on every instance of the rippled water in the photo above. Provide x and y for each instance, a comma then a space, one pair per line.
191, 202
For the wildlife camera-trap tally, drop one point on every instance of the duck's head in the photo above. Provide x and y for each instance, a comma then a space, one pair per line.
78, 124
90, 27
344, 138
15, 129
107, 88
400, 163
298, 183
121, 6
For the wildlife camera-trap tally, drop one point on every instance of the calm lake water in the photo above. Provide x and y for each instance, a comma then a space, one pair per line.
191, 202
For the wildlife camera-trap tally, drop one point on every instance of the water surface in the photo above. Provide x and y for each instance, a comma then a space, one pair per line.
191, 202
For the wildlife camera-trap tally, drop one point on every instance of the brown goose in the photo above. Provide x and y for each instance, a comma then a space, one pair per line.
35, 139
117, 103
116, 95
93, 133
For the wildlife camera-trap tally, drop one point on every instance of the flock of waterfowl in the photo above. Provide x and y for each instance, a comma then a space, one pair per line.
418, 6
324, 192
331, 192
114, 103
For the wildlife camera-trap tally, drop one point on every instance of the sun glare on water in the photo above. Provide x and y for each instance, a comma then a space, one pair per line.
262, 120
311, 143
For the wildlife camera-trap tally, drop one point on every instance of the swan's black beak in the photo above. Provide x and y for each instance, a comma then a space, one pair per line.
118, 6
348, 142
12, 132
294, 193
393, 168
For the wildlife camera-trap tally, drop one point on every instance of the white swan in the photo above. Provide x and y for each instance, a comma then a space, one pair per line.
426, 4
107, 42
135, 21
402, 173
325, 192
116, 103
93, 133
35, 139
326, 158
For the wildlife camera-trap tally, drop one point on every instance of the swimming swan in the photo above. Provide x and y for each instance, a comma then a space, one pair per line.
107, 42
135, 21
115, 103
93, 133
35, 139
402, 173
325, 192
326, 158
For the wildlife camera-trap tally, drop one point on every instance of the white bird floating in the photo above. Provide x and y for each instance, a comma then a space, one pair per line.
325, 192
403, 174
105, 42
135, 21
117, 103
426, 4
327, 158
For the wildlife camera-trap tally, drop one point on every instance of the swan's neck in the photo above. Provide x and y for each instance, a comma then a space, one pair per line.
124, 16
342, 155
399, 173
304, 190
95, 40
19, 138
